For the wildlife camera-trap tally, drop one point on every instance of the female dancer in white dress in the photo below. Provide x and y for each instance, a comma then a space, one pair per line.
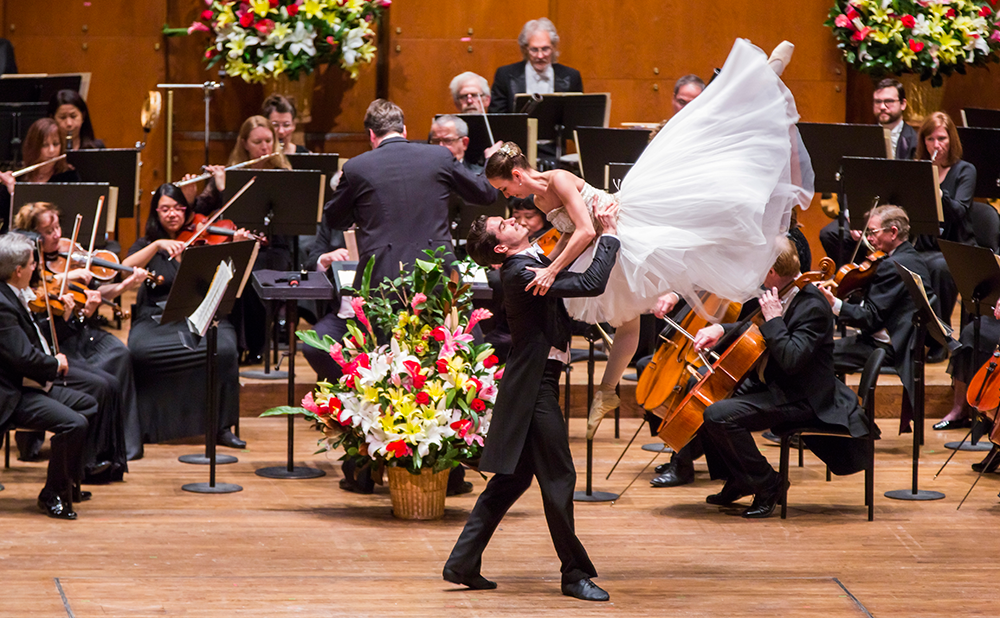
699, 211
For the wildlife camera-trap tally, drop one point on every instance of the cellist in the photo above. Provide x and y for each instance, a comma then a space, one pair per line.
793, 383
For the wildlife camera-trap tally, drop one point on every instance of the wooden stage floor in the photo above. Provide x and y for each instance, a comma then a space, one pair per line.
305, 548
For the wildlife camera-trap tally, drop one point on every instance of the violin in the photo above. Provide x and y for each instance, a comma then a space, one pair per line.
51, 286
853, 277
220, 231
103, 264
726, 373
547, 241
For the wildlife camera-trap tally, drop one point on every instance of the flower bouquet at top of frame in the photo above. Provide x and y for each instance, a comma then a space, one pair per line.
416, 393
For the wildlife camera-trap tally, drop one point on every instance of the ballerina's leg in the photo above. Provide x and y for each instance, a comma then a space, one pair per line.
605, 399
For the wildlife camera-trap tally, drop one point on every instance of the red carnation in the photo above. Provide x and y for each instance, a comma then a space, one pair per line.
491, 361
292, 9
246, 19
916, 46
264, 26
477, 405
207, 14
908, 21
423, 398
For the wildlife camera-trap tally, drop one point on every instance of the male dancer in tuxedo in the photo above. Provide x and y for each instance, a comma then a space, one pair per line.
796, 384
527, 436
28, 397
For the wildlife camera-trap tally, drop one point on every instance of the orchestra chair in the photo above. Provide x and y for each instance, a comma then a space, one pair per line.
866, 391
986, 225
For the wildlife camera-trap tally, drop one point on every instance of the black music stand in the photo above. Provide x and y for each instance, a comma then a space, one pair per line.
72, 198
977, 117
119, 167
614, 174
560, 113
910, 184
326, 162
193, 281
277, 286
980, 148
827, 144
505, 127
977, 277
23, 100
599, 146
925, 321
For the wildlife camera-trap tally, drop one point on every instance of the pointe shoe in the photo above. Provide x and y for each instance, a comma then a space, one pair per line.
604, 402
780, 57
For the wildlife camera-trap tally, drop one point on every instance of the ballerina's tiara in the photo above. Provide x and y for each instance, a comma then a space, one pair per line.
509, 149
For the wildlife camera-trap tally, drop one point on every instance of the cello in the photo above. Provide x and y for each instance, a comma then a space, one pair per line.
726, 373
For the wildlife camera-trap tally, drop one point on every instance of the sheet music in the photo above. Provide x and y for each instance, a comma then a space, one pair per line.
943, 329
199, 321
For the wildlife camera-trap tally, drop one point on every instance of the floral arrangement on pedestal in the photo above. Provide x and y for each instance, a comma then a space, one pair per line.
931, 38
424, 399
263, 39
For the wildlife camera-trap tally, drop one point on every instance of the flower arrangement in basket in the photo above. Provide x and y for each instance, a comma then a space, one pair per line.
931, 38
262, 39
424, 399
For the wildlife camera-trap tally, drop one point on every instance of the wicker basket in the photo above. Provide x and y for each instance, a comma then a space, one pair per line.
417, 496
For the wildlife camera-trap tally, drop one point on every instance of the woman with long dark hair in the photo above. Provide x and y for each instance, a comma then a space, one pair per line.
69, 110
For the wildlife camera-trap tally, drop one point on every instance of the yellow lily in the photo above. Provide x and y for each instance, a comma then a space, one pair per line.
260, 7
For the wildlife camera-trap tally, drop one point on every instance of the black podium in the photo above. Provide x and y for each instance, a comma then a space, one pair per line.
276, 286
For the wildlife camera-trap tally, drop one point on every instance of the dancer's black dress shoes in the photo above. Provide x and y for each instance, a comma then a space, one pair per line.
674, 476
766, 499
475, 582
585, 590
79, 495
54, 506
226, 437
731, 492
962, 423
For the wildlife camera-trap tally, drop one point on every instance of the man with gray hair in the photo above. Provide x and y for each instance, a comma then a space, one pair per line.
538, 73
29, 399
685, 90
470, 92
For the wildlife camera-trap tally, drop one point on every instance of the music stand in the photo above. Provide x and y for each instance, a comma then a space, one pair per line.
518, 128
326, 162
910, 184
977, 117
15, 120
614, 174
980, 148
561, 112
189, 289
925, 321
119, 167
24, 98
976, 272
599, 146
276, 286
72, 198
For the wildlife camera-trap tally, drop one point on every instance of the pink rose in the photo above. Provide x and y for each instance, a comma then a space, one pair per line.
841, 21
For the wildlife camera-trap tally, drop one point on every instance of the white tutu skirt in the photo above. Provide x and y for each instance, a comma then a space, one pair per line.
702, 208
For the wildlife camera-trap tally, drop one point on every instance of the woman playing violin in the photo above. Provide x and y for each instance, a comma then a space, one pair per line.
170, 378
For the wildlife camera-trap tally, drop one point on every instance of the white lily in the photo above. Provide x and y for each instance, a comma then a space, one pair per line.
302, 40
355, 38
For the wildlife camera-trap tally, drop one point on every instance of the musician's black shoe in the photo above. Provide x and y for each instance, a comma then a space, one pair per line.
79, 495
962, 423
585, 590
979, 467
766, 499
475, 582
674, 476
54, 506
939, 355
29, 445
731, 492
464, 487
354, 487
226, 437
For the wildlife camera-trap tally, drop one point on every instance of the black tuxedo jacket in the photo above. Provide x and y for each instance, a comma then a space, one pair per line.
800, 362
906, 145
537, 324
21, 353
887, 304
509, 80
398, 196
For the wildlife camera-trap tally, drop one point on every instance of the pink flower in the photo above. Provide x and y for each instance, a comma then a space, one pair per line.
851, 13
477, 316
418, 298
356, 304
499, 373
211, 53
398, 448
332, 41
861, 35
337, 354
841, 21
207, 15
490, 361
264, 26
385, 3
995, 36
309, 404
908, 21
916, 46
197, 27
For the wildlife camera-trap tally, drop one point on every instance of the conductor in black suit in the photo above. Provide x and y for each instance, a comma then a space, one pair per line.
527, 436
28, 397
797, 385
538, 72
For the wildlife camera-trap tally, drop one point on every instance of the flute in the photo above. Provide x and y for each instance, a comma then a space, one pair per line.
31, 168
191, 181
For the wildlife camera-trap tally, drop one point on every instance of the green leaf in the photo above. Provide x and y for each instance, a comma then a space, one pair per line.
287, 410
424, 265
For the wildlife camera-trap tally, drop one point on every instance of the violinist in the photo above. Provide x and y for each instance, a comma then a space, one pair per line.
87, 345
29, 395
170, 378
885, 314
794, 383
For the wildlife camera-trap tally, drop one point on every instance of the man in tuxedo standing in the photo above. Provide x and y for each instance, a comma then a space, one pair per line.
538, 73
28, 397
527, 436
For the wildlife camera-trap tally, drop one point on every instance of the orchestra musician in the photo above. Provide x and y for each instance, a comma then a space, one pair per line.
29, 396
527, 435
538, 72
796, 385
281, 113
69, 110
170, 378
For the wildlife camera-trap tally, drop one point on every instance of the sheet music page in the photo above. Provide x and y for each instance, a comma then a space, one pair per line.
199, 321
943, 328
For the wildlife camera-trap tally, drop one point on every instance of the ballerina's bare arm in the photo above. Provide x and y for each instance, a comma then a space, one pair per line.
560, 246
563, 186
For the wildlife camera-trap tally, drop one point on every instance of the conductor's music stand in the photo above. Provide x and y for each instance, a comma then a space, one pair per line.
977, 276
276, 286
326, 162
193, 281
599, 146
925, 321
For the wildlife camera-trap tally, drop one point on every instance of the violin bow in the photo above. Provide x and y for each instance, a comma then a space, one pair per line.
625, 450
218, 213
701, 354
45, 293
635, 478
986, 465
864, 237
93, 233
482, 108
69, 262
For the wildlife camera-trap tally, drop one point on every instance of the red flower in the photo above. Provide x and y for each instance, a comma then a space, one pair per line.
908, 21
273, 3
207, 15
950, 13
292, 9
477, 404
211, 53
851, 13
264, 26
438, 334
916, 46
423, 398
473, 382
398, 448
349, 381
364, 361
246, 19
491, 361
985, 11
419, 381
412, 367
442, 365
332, 41
462, 427
860, 35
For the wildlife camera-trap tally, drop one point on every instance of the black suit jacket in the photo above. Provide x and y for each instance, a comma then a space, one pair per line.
887, 304
906, 144
398, 196
21, 353
537, 324
509, 80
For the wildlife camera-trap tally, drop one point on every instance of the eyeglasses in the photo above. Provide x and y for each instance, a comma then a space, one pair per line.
282, 125
886, 102
869, 232
540, 51
166, 210
444, 141
471, 95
